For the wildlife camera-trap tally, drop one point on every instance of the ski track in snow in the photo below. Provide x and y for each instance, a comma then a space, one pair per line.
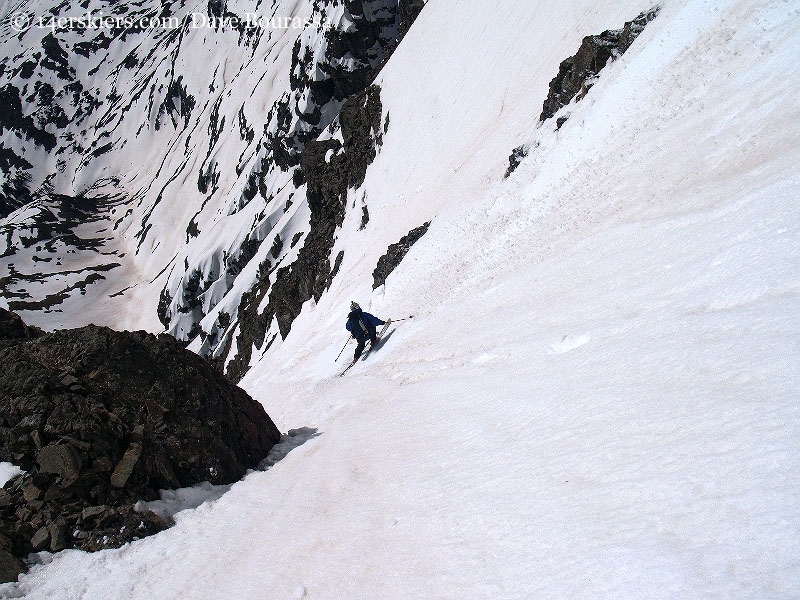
597, 395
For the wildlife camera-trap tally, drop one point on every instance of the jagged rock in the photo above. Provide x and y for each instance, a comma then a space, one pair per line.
577, 74
101, 419
31, 493
395, 253
91, 512
68, 380
327, 184
360, 120
58, 539
41, 538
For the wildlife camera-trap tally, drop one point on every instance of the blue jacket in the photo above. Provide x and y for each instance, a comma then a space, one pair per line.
362, 324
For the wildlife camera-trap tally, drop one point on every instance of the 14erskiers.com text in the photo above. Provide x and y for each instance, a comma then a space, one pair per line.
195, 20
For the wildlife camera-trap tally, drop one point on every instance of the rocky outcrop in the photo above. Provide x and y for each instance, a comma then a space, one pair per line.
515, 158
578, 73
354, 52
100, 419
329, 168
327, 185
395, 254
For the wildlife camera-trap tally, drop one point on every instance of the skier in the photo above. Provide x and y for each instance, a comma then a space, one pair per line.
361, 326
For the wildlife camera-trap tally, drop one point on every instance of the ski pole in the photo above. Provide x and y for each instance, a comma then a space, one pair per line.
342, 350
403, 319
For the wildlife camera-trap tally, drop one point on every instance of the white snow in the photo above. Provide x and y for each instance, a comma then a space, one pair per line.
8, 471
174, 501
569, 342
596, 396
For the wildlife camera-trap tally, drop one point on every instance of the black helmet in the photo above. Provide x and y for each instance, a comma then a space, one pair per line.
354, 306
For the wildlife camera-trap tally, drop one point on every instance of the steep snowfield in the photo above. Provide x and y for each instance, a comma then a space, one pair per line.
597, 395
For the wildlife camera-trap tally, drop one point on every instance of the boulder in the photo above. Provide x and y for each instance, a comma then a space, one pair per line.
60, 459
41, 538
125, 467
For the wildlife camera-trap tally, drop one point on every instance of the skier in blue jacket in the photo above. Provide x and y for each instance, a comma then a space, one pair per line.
361, 326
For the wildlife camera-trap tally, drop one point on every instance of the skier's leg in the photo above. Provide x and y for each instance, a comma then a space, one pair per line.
359, 349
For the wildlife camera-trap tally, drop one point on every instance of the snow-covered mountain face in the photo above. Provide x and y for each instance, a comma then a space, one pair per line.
597, 395
155, 151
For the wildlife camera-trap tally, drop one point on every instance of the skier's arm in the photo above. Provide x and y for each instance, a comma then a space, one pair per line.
372, 320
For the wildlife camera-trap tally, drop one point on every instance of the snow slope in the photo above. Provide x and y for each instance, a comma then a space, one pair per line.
597, 395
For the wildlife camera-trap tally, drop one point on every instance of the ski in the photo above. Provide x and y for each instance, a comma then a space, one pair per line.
346, 369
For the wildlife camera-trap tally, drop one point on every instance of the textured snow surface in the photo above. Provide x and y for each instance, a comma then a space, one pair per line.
597, 395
